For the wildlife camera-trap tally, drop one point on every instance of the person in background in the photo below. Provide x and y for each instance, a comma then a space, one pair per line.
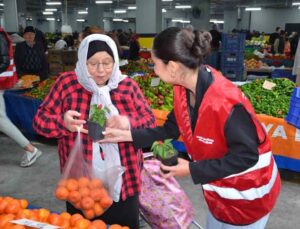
296, 66
134, 47
279, 43
40, 37
98, 80
30, 56
8, 77
214, 56
273, 37
229, 150
294, 39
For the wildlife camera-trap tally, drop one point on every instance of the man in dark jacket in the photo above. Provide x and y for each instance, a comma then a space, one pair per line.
30, 56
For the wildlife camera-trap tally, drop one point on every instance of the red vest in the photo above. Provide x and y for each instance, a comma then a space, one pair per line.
9, 77
238, 199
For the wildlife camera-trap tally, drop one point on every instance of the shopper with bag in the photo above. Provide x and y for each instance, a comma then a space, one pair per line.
98, 80
229, 149
8, 78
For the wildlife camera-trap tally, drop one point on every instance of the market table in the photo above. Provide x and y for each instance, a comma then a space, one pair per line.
21, 110
284, 137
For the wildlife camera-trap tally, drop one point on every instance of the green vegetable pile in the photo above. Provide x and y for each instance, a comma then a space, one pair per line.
273, 102
135, 67
41, 90
159, 97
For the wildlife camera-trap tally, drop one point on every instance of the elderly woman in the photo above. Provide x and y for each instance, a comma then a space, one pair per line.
98, 80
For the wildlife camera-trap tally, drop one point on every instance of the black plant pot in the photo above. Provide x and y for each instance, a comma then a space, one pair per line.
95, 130
171, 161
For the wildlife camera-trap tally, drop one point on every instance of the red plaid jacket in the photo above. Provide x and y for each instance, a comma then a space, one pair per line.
67, 94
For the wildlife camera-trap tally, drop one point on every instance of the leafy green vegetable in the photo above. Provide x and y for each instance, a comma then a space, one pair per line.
273, 102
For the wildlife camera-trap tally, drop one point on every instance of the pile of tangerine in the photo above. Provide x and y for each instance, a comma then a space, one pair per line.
88, 195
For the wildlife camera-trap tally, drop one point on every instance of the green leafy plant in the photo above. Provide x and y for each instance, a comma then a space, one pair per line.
163, 149
98, 114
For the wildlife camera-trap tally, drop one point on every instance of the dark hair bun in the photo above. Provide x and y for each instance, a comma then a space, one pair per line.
201, 45
187, 46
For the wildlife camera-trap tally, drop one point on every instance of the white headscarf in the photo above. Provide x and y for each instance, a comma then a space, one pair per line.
101, 96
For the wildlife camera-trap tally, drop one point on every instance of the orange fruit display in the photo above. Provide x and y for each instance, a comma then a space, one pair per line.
88, 195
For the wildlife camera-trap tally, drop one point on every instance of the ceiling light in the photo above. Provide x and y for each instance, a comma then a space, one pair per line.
1, 4
181, 21
163, 10
183, 7
53, 3
167, 0
296, 4
82, 12
80, 20
216, 21
299, 7
47, 13
125, 20
50, 19
253, 9
103, 2
132, 7
176, 20
120, 11
117, 19
51, 10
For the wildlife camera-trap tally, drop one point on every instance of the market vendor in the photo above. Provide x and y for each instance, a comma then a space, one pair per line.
230, 152
30, 56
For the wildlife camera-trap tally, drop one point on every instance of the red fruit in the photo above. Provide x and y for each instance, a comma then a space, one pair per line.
100, 106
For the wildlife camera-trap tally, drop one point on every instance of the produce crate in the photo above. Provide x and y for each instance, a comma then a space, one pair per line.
67, 68
69, 57
55, 68
234, 73
293, 116
233, 42
232, 59
283, 73
54, 56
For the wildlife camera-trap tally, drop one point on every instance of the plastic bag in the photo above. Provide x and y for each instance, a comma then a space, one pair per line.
86, 188
163, 202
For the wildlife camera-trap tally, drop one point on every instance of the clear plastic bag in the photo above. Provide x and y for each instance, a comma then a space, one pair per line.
87, 188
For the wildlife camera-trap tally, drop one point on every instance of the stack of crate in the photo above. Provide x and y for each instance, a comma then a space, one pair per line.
232, 57
69, 59
55, 62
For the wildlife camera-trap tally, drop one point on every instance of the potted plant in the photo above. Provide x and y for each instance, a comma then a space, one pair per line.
97, 121
165, 152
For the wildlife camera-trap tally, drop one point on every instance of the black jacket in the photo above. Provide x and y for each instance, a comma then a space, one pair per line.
31, 60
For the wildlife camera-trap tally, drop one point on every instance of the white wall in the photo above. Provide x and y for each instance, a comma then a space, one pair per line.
268, 19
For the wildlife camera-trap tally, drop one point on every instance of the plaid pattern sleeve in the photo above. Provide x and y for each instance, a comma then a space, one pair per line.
66, 94
130, 102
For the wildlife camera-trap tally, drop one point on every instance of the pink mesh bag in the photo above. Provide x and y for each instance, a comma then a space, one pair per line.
163, 202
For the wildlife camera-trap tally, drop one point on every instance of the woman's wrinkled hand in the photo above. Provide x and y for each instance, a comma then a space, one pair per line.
73, 123
112, 135
182, 169
118, 122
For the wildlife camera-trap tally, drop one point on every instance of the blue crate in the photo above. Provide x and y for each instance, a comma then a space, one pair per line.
293, 116
234, 73
293, 120
283, 73
232, 59
296, 94
233, 42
